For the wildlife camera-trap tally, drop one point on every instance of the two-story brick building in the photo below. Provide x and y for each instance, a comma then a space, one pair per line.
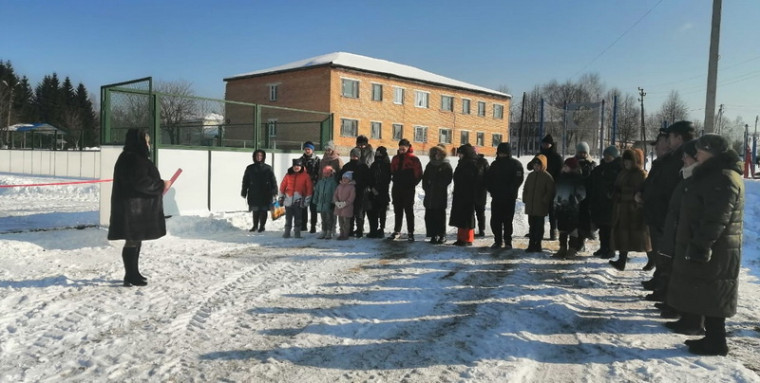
382, 100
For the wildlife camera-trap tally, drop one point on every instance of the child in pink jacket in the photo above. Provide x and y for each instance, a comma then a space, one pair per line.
344, 197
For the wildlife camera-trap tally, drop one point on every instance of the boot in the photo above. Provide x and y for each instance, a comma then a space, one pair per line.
481, 233
689, 324
410, 237
255, 221
553, 235
329, 234
322, 235
622, 260
313, 228
262, 220
129, 257
286, 234
296, 233
433, 240
562, 252
137, 264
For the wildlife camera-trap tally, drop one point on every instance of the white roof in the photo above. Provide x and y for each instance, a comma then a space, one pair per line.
365, 63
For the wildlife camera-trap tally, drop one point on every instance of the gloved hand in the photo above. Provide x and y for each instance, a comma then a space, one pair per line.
340, 204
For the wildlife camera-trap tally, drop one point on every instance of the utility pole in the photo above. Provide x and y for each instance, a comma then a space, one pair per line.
712, 67
643, 127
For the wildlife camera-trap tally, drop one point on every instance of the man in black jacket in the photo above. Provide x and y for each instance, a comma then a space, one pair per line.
503, 180
311, 163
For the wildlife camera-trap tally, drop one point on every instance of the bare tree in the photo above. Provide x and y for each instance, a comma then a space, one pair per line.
178, 105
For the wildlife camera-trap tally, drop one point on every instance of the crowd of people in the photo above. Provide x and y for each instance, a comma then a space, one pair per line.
685, 213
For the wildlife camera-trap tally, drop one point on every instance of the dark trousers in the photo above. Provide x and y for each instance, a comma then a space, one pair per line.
357, 221
480, 215
502, 215
536, 231
376, 217
605, 231
292, 213
552, 218
403, 203
259, 219
435, 222
305, 216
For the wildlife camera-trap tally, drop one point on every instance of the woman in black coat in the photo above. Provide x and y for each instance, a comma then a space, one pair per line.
379, 197
600, 192
137, 208
435, 183
260, 189
463, 197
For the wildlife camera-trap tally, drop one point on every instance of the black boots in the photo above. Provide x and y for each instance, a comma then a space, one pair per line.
689, 324
132, 275
622, 260
714, 342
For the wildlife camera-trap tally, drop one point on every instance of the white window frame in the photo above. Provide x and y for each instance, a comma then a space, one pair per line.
355, 128
421, 99
462, 135
466, 105
420, 130
377, 96
481, 108
498, 111
400, 134
494, 141
354, 90
398, 95
272, 127
480, 139
444, 135
379, 130
450, 106
273, 91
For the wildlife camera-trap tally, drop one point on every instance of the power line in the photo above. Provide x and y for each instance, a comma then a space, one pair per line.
619, 37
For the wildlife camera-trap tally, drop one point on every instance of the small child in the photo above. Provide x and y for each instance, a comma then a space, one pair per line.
323, 200
571, 191
295, 193
538, 193
343, 198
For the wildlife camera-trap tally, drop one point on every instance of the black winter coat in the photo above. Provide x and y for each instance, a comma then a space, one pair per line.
435, 183
481, 194
259, 185
659, 186
464, 195
705, 277
570, 190
360, 179
137, 207
313, 167
503, 179
379, 184
600, 190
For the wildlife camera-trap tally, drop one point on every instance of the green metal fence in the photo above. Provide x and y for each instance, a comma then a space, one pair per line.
188, 121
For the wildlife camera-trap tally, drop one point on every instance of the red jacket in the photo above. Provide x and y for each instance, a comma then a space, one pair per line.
406, 169
296, 188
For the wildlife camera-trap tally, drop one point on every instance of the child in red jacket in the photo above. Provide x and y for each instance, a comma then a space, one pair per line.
295, 193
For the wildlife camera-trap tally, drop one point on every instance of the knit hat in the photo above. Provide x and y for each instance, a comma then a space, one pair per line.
362, 140
309, 145
582, 147
297, 162
690, 148
329, 145
572, 163
348, 175
505, 148
611, 150
548, 139
404, 142
681, 127
355, 152
712, 143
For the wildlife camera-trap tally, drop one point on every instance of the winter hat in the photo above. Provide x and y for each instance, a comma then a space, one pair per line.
355, 152
505, 148
467, 151
404, 142
327, 171
381, 151
690, 148
348, 175
308, 145
681, 127
712, 143
329, 145
582, 147
548, 139
572, 163
436, 151
611, 150
297, 162
362, 140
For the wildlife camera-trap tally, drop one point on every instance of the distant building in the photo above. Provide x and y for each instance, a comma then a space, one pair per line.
382, 100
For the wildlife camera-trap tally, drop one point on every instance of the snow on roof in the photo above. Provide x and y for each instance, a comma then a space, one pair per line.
370, 64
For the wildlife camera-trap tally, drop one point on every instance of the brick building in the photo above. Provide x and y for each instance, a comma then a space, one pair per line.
382, 100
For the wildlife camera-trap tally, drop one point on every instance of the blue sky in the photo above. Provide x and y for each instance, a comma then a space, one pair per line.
517, 44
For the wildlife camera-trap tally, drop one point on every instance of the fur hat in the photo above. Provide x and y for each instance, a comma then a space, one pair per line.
713, 143
382, 151
309, 145
362, 140
681, 127
404, 142
329, 145
505, 148
355, 152
582, 147
348, 175
297, 162
571, 163
611, 150
548, 139
436, 152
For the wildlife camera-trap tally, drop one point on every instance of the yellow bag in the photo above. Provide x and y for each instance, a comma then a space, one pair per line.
276, 210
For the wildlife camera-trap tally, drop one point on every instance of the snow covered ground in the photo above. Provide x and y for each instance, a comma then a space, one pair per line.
223, 304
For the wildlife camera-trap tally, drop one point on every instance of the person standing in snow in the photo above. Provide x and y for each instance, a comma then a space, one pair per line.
570, 191
503, 180
708, 252
435, 183
331, 159
466, 179
481, 195
538, 194
137, 209
323, 200
629, 232
259, 189
366, 154
406, 173
343, 198
602, 183
552, 166
586, 166
379, 196
360, 179
311, 164
295, 193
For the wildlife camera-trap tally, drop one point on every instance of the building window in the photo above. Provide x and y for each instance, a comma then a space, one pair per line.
398, 132
377, 129
498, 111
350, 88
421, 99
272, 127
377, 92
481, 109
349, 127
464, 137
447, 103
398, 95
480, 139
273, 92
420, 134
444, 136
465, 106
495, 140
